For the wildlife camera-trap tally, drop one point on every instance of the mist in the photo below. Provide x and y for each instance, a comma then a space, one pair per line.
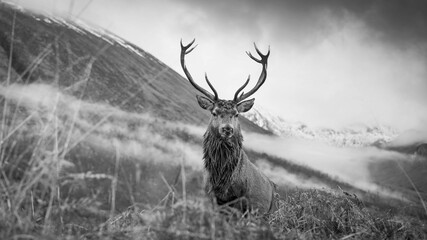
139, 136
410, 137
282, 177
347, 164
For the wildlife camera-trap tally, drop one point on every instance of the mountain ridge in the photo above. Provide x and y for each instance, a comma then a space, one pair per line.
356, 135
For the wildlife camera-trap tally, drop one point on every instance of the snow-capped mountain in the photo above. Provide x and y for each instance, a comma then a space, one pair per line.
354, 135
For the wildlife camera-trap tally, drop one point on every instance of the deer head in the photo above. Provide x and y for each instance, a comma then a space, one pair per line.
224, 119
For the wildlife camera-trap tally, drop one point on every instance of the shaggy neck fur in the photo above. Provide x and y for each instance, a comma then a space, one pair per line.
221, 157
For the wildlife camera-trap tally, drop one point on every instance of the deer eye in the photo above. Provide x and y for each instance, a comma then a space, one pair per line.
236, 115
214, 114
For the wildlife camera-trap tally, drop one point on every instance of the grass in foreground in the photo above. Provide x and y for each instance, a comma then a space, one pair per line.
303, 214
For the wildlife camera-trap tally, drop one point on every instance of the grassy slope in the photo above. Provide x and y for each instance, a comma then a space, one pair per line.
406, 176
88, 199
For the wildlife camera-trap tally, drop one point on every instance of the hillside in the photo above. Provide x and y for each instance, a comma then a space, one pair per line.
100, 137
103, 69
407, 176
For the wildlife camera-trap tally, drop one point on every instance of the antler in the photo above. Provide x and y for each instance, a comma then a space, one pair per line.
261, 79
184, 51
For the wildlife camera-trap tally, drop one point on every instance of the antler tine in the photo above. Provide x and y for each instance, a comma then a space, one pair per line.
260, 53
186, 49
236, 95
210, 85
263, 57
263, 60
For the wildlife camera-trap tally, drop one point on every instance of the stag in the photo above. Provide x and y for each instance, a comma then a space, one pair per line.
232, 179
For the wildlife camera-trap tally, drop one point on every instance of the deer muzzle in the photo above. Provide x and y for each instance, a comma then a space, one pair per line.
226, 130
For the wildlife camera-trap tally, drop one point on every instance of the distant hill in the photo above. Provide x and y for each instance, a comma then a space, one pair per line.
408, 176
360, 135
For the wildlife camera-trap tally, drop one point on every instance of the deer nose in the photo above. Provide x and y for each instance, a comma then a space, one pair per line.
227, 129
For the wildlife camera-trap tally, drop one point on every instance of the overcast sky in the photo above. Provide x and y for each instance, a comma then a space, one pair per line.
333, 63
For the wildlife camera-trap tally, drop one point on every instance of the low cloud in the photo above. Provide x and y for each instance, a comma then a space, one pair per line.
139, 136
283, 177
410, 137
347, 164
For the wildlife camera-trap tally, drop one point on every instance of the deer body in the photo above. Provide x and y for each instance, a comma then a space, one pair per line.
243, 184
232, 178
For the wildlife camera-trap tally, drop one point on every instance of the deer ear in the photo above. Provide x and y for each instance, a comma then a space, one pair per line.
205, 103
245, 105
